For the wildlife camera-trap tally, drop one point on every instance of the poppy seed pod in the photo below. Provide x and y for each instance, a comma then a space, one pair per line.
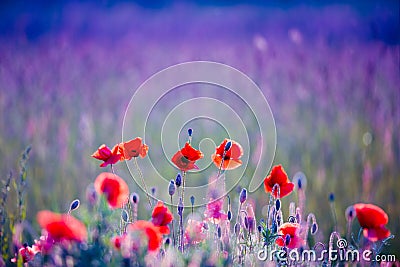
171, 188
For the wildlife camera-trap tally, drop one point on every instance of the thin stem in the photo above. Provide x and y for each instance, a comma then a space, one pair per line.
173, 229
183, 187
143, 182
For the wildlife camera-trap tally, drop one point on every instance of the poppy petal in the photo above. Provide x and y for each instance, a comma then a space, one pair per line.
370, 216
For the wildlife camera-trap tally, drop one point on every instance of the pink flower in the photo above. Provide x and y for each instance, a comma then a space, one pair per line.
194, 232
214, 212
27, 253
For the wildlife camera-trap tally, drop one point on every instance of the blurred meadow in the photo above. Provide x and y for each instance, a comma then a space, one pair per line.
330, 73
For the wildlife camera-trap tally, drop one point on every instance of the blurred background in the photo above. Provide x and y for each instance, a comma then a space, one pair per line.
329, 69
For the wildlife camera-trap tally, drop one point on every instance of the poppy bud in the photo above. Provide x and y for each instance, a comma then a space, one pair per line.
299, 183
314, 228
171, 188
178, 180
167, 241
243, 196
219, 231
300, 180
259, 228
229, 215
331, 197
350, 212
278, 204
125, 216
237, 229
180, 207
74, 205
292, 219
192, 200
153, 191
190, 131
228, 146
134, 198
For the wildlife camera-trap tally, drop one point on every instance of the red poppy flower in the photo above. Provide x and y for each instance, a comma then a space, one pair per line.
135, 148
292, 230
185, 158
161, 217
113, 187
152, 233
231, 158
62, 226
278, 176
108, 156
373, 219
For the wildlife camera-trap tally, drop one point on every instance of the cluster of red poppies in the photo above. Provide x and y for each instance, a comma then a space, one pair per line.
65, 228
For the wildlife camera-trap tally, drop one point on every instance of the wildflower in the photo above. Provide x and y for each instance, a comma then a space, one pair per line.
194, 232
185, 158
27, 253
161, 217
151, 232
290, 237
373, 220
214, 211
278, 176
113, 187
107, 155
62, 226
135, 148
230, 154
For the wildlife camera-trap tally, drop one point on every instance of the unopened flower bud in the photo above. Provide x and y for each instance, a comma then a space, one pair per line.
190, 131
243, 196
134, 198
171, 188
192, 200
74, 205
228, 145
178, 180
